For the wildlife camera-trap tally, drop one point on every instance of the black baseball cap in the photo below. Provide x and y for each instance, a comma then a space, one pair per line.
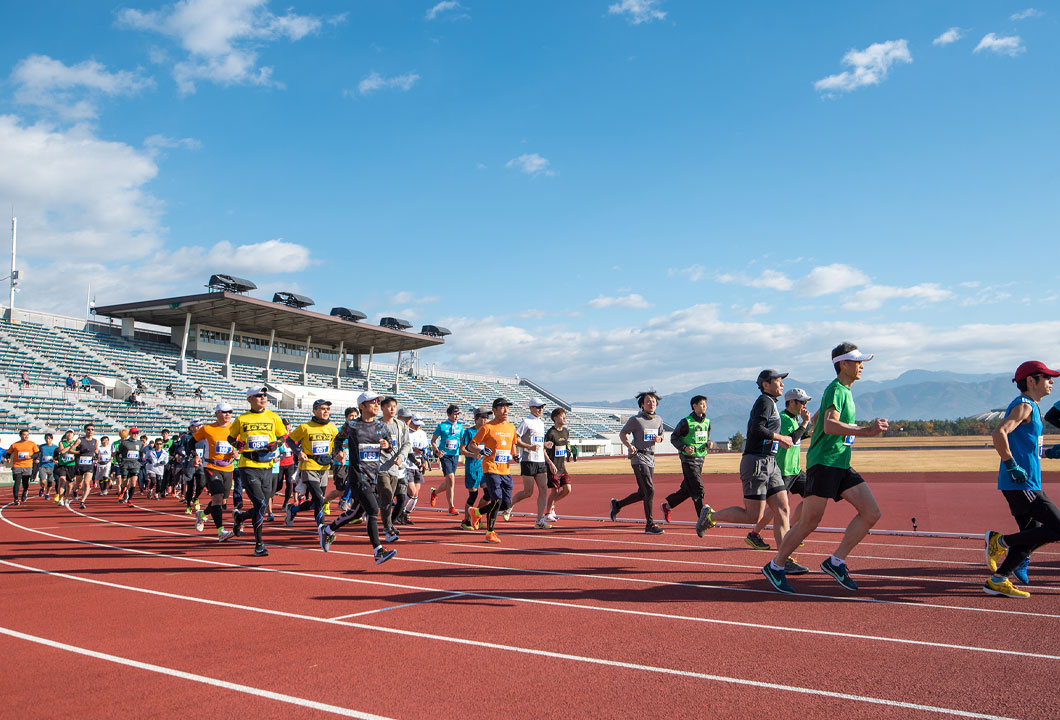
501, 401
767, 375
321, 401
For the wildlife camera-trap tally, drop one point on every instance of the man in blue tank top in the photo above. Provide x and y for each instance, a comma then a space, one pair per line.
1018, 440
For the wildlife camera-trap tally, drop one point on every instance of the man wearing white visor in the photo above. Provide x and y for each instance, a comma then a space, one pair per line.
829, 475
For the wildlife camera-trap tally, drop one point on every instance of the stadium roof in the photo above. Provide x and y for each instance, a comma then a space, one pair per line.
254, 315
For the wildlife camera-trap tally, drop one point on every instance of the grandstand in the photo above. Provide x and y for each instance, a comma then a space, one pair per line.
183, 373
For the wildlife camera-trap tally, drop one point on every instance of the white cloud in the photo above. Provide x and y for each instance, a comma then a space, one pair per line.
71, 91
222, 37
1025, 14
826, 279
637, 11
269, 256
374, 82
874, 296
633, 301
950, 36
694, 272
163, 142
1010, 45
771, 279
449, 9
760, 309
870, 66
531, 164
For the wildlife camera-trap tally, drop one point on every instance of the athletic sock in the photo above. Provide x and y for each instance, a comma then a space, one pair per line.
834, 560
773, 564
410, 504
218, 518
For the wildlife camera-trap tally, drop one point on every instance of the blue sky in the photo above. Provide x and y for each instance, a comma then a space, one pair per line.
599, 195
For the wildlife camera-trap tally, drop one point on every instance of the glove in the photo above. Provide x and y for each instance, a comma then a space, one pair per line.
1052, 453
1018, 474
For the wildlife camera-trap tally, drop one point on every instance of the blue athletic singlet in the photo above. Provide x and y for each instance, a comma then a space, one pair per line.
450, 433
1025, 443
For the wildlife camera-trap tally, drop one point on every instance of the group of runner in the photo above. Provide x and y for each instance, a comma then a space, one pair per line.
376, 462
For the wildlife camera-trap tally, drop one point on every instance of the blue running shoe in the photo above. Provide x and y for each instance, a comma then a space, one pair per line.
777, 579
839, 572
1021, 572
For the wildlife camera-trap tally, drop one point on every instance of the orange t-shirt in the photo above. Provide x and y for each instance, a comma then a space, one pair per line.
22, 453
498, 438
217, 446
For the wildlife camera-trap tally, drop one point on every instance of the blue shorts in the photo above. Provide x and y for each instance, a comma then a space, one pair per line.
449, 463
498, 487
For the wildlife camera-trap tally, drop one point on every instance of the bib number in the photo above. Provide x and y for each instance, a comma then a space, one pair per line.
649, 436
368, 453
451, 444
84, 460
848, 440
321, 447
537, 439
222, 447
133, 455
701, 436
68, 458
561, 451
257, 442
25, 455
773, 447
200, 452
502, 457
1040, 442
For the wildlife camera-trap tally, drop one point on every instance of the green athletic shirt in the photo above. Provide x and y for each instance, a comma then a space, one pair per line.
832, 450
697, 436
788, 458
67, 449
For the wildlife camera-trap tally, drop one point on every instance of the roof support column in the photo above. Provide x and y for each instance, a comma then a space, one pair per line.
368, 376
182, 362
338, 363
228, 355
397, 374
305, 361
268, 360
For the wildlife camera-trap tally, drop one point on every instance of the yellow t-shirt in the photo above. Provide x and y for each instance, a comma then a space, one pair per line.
255, 431
217, 447
315, 439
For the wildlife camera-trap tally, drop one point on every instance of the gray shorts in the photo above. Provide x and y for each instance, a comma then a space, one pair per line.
760, 476
316, 477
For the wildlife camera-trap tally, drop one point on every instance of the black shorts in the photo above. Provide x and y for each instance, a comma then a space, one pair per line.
217, 482
128, 471
342, 473
1030, 503
830, 482
532, 469
64, 471
796, 484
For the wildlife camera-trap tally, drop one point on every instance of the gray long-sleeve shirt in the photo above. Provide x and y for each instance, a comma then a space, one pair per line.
392, 460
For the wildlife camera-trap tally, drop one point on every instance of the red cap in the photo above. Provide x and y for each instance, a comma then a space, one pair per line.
133, 430
1033, 367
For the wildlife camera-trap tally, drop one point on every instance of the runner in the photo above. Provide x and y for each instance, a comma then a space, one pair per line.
102, 474
20, 455
795, 423
759, 473
65, 467
473, 469
87, 452
256, 434
647, 430
532, 464
691, 437
392, 466
283, 451
498, 440
557, 447
445, 441
128, 454
416, 466
194, 467
367, 437
217, 475
829, 475
47, 467
155, 460
1018, 440
317, 441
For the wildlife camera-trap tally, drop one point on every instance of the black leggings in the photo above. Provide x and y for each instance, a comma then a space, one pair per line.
645, 491
1040, 519
255, 482
196, 484
691, 483
364, 502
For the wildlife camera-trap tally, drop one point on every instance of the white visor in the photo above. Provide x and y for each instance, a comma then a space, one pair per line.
855, 355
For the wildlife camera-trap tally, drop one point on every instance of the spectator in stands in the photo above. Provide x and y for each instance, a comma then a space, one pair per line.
140, 387
199, 393
71, 384
169, 391
25, 379
86, 383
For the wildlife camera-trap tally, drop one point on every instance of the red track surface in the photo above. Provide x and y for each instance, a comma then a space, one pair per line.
591, 619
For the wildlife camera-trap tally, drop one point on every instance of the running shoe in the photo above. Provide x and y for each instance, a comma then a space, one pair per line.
289, 519
47, 496
467, 526
260, 551
476, 517
491, 537
357, 521
434, 497
507, 514
995, 551
777, 578
839, 572
391, 536
653, 529
187, 510
343, 506
614, 510
706, 520
196, 506
407, 519
17, 503
382, 555
755, 541
453, 511
791, 567
1021, 572
541, 524
667, 511
327, 536
40, 493
327, 508
237, 524
270, 517
81, 506
552, 517
200, 521
1004, 588
223, 534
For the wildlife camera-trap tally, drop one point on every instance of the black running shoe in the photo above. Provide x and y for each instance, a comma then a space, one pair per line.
614, 510
777, 579
653, 529
237, 524
840, 573
261, 551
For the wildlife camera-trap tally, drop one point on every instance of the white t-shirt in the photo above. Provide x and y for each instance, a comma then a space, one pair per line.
418, 439
532, 430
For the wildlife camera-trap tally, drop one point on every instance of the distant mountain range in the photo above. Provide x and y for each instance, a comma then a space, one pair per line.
913, 395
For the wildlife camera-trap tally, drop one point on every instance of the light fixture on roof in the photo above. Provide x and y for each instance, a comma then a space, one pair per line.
435, 331
347, 314
230, 283
395, 323
292, 300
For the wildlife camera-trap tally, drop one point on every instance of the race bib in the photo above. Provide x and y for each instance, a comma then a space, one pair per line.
84, 460
321, 447
222, 447
68, 458
701, 436
561, 451
848, 440
537, 439
22, 455
200, 452
104, 456
133, 455
257, 442
502, 457
451, 444
649, 436
368, 453
1040, 440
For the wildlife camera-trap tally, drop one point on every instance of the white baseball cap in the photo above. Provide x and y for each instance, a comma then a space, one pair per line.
855, 355
222, 407
416, 420
256, 390
367, 396
537, 402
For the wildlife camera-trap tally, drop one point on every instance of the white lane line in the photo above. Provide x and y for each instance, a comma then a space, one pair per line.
552, 603
205, 680
405, 605
558, 573
511, 648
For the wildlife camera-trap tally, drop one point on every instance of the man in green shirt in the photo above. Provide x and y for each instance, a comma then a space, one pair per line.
691, 438
829, 475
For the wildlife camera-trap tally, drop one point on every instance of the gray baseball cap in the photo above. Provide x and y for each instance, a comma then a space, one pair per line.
797, 394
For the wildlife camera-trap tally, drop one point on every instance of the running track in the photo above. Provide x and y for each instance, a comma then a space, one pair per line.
128, 612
